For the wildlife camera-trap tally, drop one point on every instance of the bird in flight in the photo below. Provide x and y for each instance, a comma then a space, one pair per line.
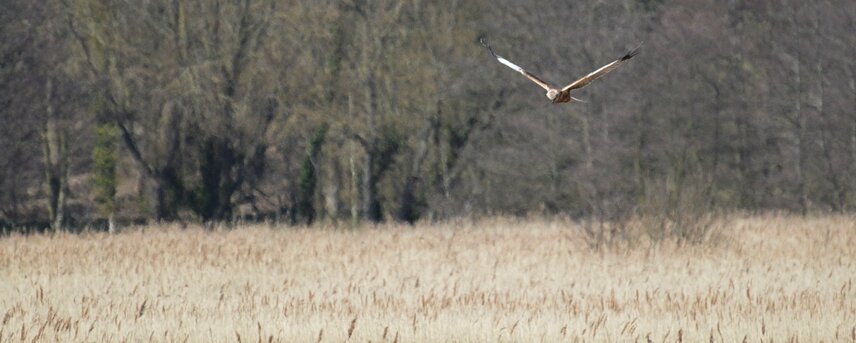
558, 96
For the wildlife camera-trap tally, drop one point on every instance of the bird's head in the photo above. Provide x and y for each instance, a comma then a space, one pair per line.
552, 94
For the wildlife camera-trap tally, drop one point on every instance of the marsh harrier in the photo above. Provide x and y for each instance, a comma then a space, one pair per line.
563, 95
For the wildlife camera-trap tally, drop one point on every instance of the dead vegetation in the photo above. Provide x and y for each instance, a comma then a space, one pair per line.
770, 278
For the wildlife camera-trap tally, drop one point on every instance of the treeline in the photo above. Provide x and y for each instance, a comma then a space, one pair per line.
351, 110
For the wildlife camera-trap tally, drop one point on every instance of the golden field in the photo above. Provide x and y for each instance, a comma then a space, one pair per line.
763, 278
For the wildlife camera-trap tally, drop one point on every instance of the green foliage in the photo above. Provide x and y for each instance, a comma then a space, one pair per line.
384, 152
308, 179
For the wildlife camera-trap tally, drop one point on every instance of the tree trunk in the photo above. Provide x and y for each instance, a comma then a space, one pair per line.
371, 205
408, 211
111, 224
55, 161
168, 194
354, 192
331, 191
308, 178
800, 123
355, 203
586, 138
217, 159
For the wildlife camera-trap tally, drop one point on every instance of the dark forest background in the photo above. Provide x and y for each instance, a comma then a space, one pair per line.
374, 110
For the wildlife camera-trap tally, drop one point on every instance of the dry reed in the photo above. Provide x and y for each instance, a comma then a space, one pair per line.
770, 278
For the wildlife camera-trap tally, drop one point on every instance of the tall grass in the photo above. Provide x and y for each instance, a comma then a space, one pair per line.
769, 278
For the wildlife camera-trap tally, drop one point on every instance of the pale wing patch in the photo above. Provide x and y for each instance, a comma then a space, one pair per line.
510, 65
517, 68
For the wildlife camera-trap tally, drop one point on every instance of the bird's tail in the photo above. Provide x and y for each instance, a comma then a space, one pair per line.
578, 100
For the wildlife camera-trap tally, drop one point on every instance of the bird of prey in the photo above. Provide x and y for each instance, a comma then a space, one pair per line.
558, 96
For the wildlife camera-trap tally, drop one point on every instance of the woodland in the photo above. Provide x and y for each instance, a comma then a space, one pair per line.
300, 111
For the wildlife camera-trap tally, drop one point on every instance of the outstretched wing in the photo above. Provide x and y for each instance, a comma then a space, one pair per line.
517, 68
602, 71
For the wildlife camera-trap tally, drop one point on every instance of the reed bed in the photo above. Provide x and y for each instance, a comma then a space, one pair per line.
761, 278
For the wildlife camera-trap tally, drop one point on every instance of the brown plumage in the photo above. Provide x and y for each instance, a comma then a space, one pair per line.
563, 95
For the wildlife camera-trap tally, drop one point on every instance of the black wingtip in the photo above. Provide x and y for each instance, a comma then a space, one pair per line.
632, 52
484, 43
